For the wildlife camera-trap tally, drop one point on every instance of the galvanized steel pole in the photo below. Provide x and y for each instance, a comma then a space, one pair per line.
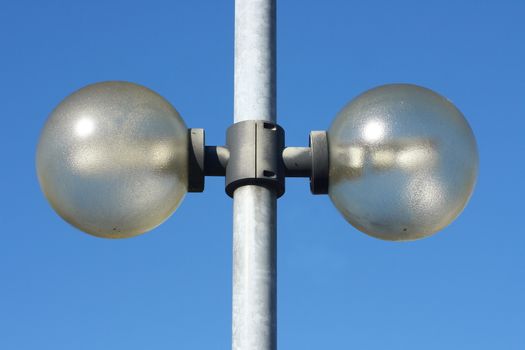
254, 207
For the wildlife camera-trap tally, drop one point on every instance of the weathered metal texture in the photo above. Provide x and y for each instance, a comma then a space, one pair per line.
254, 207
254, 269
254, 80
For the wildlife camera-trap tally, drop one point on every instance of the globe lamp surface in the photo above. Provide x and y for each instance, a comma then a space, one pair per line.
112, 159
403, 162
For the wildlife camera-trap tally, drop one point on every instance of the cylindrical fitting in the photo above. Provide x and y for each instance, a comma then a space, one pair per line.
297, 161
255, 156
320, 162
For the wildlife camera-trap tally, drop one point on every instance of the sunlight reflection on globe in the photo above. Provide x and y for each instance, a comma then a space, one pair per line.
403, 162
112, 159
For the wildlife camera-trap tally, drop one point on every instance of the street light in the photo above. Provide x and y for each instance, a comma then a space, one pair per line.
115, 160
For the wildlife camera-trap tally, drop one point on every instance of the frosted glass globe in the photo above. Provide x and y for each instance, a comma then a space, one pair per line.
403, 162
112, 159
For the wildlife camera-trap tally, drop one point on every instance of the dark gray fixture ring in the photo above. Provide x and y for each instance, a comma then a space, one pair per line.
255, 155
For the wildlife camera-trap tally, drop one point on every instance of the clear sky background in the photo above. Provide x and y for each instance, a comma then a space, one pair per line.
463, 288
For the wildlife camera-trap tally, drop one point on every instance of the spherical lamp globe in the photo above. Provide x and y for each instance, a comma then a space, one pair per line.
403, 162
112, 159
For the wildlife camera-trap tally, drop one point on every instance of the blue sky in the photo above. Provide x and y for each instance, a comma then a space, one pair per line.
337, 288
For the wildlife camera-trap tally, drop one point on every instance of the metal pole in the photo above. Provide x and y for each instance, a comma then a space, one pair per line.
254, 207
